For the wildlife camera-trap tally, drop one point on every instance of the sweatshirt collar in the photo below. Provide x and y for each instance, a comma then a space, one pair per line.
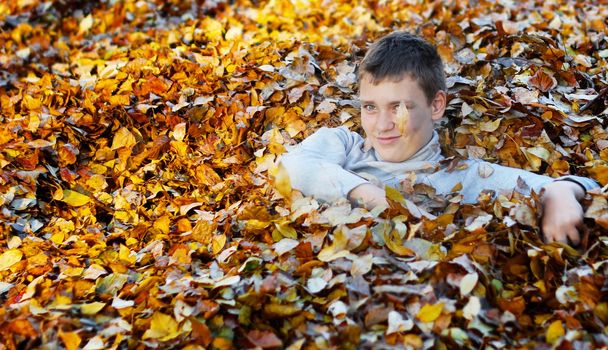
429, 152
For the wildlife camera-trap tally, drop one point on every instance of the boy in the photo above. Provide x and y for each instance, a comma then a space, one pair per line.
402, 92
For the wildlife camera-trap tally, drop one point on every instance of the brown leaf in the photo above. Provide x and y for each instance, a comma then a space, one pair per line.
264, 339
516, 305
543, 81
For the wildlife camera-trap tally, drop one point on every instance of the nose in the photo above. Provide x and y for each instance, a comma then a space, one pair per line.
386, 121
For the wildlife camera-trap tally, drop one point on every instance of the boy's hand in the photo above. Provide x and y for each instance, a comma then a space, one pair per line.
369, 195
562, 212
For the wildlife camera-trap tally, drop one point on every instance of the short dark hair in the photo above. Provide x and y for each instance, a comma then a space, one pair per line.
401, 53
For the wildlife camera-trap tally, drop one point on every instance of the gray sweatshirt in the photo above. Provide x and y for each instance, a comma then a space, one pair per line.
333, 161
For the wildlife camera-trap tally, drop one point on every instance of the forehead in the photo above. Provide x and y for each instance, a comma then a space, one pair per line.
390, 90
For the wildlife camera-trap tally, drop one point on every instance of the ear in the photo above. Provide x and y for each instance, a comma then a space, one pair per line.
438, 105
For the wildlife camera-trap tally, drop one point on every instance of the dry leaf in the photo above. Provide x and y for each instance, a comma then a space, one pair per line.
75, 199
468, 282
397, 324
162, 327
71, 340
10, 258
403, 117
554, 332
472, 308
429, 313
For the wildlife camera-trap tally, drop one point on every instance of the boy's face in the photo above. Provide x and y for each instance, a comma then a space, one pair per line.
380, 116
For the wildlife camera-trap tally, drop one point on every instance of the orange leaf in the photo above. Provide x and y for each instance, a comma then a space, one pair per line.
23, 328
71, 340
515, 305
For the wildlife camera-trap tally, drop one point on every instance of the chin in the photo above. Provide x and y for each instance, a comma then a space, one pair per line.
394, 158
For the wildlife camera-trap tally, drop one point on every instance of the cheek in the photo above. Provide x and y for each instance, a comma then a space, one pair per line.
418, 121
367, 123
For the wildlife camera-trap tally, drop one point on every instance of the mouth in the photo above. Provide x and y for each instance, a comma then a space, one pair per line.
387, 140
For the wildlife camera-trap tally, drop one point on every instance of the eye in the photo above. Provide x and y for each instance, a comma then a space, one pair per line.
396, 107
369, 107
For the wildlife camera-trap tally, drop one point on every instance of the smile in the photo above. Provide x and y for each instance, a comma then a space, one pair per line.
387, 140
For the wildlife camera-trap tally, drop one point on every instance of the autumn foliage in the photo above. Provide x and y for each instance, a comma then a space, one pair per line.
141, 205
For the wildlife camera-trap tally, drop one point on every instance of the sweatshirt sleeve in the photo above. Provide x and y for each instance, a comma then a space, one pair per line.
480, 175
584, 182
316, 165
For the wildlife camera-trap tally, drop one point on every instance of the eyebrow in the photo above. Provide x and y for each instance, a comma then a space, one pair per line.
396, 102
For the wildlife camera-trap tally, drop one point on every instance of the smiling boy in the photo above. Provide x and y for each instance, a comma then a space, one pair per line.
402, 92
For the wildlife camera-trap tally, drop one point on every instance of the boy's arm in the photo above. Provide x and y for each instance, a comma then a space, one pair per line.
369, 195
562, 212
316, 166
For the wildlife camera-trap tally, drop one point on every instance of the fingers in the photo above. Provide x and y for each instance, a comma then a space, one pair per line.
574, 236
561, 219
562, 232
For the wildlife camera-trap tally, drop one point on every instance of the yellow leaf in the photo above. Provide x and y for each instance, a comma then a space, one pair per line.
394, 195
490, 126
337, 249
119, 100
429, 313
218, 243
97, 182
72, 271
203, 231
162, 327
286, 231
163, 224
395, 245
403, 117
10, 258
213, 29
126, 255
58, 194
540, 152
555, 331
253, 224
281, 180
31, 103
71, 340
184, 225
91, 308
75, 199
123, 138
58, 237
457, 187
281, 310
179, 147
600, 173
85, 24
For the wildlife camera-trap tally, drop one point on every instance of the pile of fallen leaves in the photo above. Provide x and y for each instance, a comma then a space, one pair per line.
141, 205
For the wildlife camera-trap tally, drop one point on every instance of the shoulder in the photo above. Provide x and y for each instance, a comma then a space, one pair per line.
334, 136
341, 131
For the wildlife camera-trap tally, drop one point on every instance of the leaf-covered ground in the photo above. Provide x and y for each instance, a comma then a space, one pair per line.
141, 206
